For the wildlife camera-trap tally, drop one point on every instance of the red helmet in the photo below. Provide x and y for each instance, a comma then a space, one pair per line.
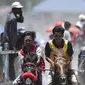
59, 23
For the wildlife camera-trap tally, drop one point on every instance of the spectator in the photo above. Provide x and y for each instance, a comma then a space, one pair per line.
81, 21
10, 33
67, 34
20, 38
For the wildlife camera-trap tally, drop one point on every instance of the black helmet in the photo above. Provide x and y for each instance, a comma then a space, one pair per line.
58, 29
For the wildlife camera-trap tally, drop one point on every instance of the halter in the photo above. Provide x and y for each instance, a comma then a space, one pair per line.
26, 74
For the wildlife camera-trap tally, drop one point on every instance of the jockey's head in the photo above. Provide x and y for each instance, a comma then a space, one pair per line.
29, 37
82, 17
82, 49
58, 32
67, 25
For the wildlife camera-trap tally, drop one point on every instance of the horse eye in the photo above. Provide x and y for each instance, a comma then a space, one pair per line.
55, 55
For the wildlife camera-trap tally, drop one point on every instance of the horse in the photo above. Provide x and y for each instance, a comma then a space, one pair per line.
61, 71
81, 67
29, 68
62, 74
29, 77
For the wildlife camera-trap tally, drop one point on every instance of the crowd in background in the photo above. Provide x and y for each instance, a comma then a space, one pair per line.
15, 37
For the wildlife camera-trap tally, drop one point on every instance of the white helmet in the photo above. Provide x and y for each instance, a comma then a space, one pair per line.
21, 30
81, 16
82, 49
16, 5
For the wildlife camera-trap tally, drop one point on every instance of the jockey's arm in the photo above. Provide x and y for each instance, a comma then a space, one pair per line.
50, 61
70, 50
70, 53
47, 53
38, 59
39, 53
20, 62
20, 58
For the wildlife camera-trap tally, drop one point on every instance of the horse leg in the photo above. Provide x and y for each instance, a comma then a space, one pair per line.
50, 83
69, 77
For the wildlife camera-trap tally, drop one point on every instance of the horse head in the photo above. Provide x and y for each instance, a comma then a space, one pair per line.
29, 74
60, 66
30, 67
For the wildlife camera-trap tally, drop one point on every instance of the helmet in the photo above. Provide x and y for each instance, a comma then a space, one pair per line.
82, 52
16, 5
58, 29
82, 49
59, 23
81, 16
21, 30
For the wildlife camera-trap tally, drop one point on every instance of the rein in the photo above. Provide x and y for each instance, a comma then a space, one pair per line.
30, 63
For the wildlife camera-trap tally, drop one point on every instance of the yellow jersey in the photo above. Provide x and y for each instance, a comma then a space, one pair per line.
53, 48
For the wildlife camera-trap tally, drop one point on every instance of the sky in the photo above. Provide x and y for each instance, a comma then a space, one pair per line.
61, 5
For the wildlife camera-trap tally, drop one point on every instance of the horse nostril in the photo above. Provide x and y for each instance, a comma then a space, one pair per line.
28, 81
63, 79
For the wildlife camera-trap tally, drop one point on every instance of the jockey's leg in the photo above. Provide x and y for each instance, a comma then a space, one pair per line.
40, 78
52, 75
72, 77
50, 78
69, 73
15, 81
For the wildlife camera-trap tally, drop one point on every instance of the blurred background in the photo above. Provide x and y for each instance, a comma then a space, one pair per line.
42, 14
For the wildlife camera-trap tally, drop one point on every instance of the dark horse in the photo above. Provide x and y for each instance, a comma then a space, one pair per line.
30, 73
29, 77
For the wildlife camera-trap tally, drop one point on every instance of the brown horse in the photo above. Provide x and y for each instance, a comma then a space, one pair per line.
60, 71
60, 68
62, 74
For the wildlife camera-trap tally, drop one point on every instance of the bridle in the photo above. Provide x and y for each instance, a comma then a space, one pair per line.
60, 61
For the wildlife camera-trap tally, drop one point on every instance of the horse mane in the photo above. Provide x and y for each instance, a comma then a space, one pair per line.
58, 53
